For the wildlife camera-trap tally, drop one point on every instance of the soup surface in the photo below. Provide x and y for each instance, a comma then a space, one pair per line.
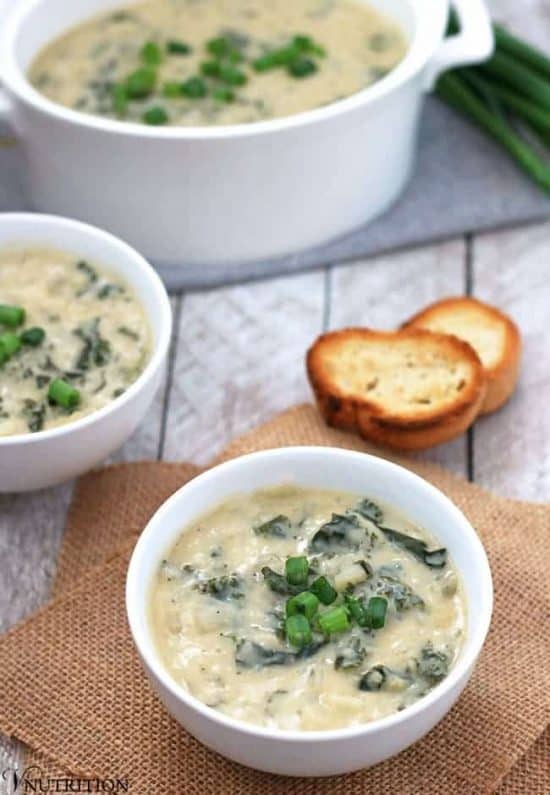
229, 608
204, 62
81, 326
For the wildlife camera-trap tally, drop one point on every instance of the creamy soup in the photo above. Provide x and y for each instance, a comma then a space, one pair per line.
73, 337
202, 62
305, 609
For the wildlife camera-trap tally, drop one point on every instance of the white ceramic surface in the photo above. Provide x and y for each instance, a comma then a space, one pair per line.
230, 194
36, 460
311, 753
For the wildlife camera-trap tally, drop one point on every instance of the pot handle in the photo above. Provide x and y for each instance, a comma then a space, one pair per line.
474, 43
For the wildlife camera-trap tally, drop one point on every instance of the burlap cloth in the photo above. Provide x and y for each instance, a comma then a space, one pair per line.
73, 689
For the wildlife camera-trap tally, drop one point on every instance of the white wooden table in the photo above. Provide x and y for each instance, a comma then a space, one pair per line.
237, 357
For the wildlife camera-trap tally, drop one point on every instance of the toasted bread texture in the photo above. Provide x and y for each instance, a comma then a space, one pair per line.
493, 335
409, 389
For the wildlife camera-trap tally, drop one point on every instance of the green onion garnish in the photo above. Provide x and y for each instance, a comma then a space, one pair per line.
155, 116
306, 44
194, 88
151, 54
302, 67
357, 610
323, 590
63, 394
222, 94
120, 99
221, 47
11, 315
334, 620
305, 603
33, 336
296, 570
141, 83
9, 344
376, 612
177, 47
211, 68
298, 630
232, 76
172, 90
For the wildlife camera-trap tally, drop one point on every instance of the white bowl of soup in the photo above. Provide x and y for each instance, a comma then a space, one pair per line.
85, 326
308, 611
215, 133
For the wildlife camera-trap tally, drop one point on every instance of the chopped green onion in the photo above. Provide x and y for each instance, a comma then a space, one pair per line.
11, 315
376, 612
172, 90
120, 99
305, 603
357, 610
221, 47
222, 94
334, 620
155, 116
323, 590
141, 83
63, 394
175, 47
9, 344
33, 336
298, 630
151, 54
211, 68
233, 76
296, 570
306, 44
194, 88
302, 67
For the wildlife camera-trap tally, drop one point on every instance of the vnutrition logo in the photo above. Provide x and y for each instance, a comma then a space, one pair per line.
33, 779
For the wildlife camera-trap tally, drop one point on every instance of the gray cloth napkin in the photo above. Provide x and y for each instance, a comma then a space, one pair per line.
463, 183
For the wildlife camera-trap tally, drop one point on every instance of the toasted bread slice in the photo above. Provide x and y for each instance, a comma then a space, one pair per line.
407, 389
493, 335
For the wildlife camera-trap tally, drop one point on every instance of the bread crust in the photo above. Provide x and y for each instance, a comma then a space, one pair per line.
502, 376
378, 422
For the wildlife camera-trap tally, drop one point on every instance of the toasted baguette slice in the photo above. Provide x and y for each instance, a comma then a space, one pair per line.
493, 335
406, 389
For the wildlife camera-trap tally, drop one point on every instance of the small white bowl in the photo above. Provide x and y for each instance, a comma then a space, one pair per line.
37, 460
311, 753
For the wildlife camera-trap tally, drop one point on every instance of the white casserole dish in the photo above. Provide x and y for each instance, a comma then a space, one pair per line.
211, 195
37, 460
311, 753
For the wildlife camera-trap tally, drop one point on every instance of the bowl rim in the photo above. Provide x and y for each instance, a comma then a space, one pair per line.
430, 32
36, 221
136, 596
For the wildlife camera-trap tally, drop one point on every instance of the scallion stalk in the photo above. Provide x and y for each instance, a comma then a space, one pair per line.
453, 89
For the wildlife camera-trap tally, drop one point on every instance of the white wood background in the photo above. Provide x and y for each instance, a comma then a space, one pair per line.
237, 358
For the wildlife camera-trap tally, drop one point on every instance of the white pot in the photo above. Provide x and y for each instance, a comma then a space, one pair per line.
230, 194
311, 753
